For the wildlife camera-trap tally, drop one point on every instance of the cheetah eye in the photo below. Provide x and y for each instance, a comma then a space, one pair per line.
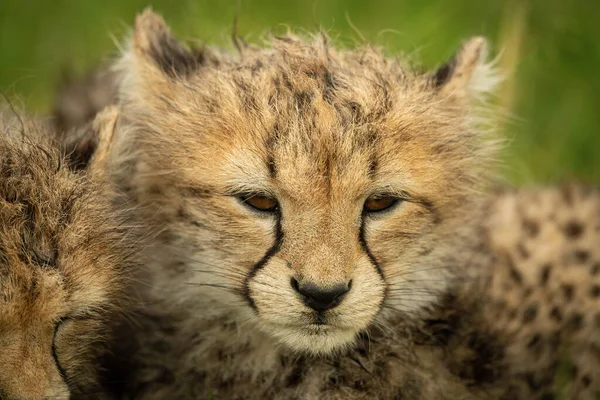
376, 204
260, 202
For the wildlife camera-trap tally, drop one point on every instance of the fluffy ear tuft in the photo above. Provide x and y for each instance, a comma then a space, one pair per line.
152, 40
466, 74
152, 62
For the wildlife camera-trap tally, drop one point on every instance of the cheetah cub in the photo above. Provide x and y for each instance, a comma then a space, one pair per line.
318, 212
64, 258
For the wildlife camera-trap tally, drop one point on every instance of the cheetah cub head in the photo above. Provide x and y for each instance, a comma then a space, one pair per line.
308, 191
62, 264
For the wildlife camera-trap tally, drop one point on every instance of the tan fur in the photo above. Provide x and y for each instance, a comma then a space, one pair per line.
64, 259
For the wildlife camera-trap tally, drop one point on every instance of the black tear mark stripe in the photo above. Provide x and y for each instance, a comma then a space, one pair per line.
262, 262
365, 247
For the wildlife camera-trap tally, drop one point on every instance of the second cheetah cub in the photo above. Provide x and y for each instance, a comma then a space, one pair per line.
64, 262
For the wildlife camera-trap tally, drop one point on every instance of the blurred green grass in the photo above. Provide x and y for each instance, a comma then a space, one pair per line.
551, 55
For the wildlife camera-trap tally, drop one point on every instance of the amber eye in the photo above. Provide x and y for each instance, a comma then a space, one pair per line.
260, 202
377, 203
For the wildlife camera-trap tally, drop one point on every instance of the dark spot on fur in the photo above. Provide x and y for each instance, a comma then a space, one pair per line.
586, 381
530, 313
595, 269
222, 355
356, 111
545, 274
296, 376
574, 372
436, 218
514, 273
373, 165
531, 228
575, 322
480, 366
303, 99
595, 291
527, 292
555, 314
360, 385
179, 266
535, 344
523, 251
440, 330
535, 381
155, 190
186, 217
554, 340
426, 251
567, 291
258, 65
333, 380
580, 256
573, 229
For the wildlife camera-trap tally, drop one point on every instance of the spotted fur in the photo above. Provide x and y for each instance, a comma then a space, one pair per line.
546, 286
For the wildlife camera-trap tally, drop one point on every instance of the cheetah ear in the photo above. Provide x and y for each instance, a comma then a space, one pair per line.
153, 59
152, 40
466, 75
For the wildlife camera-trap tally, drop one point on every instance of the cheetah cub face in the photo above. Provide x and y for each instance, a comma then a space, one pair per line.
61, 256
310, 191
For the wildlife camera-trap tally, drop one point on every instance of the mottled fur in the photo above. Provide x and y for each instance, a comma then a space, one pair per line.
64, 260
545, 292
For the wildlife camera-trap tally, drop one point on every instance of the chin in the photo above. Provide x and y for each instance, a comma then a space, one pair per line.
313, 339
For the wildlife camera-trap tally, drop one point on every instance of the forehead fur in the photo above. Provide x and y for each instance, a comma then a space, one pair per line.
302, 101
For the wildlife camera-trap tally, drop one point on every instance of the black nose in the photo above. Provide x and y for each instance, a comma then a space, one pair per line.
321, 298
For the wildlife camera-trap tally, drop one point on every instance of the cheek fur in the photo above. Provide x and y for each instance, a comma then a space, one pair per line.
271, 291
413, 264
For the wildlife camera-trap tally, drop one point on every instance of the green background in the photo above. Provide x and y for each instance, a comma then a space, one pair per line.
551, 56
